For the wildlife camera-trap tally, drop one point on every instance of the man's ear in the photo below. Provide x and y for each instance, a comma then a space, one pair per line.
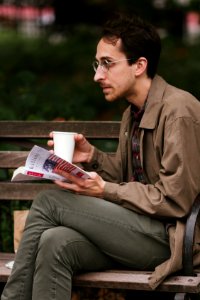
141, 66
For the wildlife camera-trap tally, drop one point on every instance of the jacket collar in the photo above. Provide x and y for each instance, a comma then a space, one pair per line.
154, 103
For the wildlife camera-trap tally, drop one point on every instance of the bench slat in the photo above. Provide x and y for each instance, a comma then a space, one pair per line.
119, 279
136, 280
12, 159
21, 191
15, 159
41, 129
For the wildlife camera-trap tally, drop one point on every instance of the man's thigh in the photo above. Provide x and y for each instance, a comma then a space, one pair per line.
134, 240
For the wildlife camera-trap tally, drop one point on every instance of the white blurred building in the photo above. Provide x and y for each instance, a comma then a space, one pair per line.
30, 20
191, 22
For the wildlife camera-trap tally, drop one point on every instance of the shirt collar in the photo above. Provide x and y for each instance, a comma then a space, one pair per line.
136, 112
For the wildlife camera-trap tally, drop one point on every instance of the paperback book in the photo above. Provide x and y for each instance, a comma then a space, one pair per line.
41, 164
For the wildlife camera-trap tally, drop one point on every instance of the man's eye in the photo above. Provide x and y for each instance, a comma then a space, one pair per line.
106, 62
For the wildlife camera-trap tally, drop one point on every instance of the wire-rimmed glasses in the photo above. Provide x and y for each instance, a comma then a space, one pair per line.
106, 64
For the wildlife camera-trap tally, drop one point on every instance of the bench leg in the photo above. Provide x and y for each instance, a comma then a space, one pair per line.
2, 284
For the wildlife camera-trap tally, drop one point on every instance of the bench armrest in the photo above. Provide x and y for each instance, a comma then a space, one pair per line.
189, 238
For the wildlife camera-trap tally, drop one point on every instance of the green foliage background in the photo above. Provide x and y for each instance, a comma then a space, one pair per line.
41, 79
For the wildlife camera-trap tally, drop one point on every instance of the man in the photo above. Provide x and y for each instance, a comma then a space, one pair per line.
130, 211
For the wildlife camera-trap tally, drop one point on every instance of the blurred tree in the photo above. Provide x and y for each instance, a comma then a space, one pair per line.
195, 5
144, 8
81, 11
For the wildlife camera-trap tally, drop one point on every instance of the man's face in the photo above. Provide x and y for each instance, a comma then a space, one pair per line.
115, 76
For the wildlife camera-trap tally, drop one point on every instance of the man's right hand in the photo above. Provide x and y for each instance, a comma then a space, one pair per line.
83, 151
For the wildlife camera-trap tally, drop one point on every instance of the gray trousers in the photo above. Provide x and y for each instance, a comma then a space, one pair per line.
66, 233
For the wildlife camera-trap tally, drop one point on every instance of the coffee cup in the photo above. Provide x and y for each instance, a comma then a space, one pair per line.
64, 144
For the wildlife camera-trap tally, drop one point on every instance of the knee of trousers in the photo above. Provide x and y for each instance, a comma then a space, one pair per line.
61, 245
44, 197
49, 200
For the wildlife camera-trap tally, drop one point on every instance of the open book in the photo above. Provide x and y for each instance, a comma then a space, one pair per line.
41, 164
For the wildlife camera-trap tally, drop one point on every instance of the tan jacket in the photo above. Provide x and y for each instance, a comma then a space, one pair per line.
170, 149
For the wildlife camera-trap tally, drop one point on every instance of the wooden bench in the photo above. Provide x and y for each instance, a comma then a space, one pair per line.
18, 137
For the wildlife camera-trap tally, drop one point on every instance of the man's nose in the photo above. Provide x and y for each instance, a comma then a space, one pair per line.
99, 74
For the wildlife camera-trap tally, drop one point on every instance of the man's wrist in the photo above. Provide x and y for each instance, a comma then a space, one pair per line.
90, 155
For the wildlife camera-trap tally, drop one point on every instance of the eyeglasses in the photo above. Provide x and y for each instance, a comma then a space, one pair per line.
106, 64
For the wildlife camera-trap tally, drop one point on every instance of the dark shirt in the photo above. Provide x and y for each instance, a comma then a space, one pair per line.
138, 174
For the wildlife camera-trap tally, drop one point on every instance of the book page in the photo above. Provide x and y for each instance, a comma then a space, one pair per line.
42, 161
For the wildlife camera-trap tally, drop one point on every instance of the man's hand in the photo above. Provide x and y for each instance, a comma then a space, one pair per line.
83, 151
89, 187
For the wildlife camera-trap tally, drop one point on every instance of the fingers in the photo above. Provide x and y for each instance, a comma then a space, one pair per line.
79, 137
50, 143
70, 177
73, 184
65, 185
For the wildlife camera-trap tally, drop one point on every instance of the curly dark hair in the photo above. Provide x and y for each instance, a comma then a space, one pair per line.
139, 38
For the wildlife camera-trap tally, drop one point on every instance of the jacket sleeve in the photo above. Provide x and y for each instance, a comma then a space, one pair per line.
108, 166
112, 167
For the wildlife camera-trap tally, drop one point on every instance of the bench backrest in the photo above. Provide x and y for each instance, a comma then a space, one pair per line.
18, 137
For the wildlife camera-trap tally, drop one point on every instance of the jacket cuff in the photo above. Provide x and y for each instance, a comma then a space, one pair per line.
95, 163
110, 192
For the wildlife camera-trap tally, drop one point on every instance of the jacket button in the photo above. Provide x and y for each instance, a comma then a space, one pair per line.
95, 165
